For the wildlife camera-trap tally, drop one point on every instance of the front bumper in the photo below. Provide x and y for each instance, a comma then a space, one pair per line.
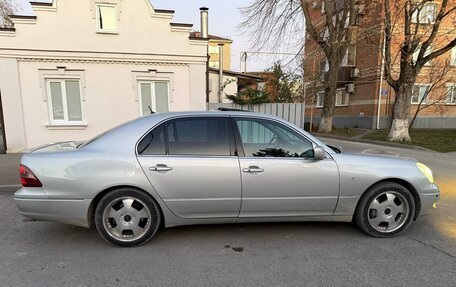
33, 203
428, 199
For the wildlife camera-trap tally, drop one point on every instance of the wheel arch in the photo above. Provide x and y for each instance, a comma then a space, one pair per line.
404, 183
101, 194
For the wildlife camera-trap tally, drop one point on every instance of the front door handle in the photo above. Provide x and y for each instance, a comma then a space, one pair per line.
253, 170
161, 168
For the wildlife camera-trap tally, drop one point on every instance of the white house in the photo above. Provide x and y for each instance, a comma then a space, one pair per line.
80, 67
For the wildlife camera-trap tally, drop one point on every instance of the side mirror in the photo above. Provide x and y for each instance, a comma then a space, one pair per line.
319, 153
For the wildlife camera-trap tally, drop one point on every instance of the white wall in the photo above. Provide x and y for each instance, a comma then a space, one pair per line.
109, 66
12, 104
230, 89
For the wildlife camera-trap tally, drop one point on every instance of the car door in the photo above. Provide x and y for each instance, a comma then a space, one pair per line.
279, 174
191, 164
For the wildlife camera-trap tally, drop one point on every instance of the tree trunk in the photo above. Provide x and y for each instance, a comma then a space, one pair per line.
400, 125
327, 113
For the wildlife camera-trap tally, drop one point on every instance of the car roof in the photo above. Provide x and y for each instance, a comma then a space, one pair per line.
217, 113
129, 133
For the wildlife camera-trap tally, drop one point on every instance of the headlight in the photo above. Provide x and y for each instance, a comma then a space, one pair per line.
426, 171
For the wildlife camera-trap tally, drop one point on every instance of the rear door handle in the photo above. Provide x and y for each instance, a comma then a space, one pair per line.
253, 170
161, 168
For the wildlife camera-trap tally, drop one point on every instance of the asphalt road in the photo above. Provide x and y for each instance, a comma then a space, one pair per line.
287, 254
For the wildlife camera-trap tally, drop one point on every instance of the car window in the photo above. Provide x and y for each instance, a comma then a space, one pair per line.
153, 143
263, 138
199, 136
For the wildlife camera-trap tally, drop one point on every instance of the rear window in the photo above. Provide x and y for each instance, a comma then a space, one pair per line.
189, 136
153, 143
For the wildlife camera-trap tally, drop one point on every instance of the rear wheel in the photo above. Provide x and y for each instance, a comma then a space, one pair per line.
385, 210
127, 217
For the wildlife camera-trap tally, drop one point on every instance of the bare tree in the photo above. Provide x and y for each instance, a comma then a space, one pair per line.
7, 8
413, 37
275, 22
436, 90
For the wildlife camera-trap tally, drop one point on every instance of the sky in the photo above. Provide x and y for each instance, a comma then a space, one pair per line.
224, 19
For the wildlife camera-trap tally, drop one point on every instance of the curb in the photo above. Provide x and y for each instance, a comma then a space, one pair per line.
381, 143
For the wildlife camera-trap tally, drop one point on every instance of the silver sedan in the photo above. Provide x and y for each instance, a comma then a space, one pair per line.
176, 169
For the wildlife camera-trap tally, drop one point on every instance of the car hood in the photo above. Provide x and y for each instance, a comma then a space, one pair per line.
56, 147
380, 154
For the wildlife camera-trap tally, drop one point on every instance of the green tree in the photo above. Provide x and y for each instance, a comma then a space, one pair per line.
287, 85
250, 96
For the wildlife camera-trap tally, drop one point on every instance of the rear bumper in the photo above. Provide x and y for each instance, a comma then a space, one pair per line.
428, 200
35, 204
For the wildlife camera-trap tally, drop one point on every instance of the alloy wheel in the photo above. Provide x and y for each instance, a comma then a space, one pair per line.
388, 212
126, 219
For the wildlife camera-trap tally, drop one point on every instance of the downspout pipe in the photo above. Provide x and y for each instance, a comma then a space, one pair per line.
220, 72
380, 89
204, 13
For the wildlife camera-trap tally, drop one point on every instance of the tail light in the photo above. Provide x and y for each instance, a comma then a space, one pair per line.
28, 179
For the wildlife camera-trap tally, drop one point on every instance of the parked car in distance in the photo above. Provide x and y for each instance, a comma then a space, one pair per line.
187, 168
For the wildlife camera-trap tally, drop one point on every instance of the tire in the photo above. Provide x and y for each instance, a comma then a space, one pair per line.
127, 217
385, 210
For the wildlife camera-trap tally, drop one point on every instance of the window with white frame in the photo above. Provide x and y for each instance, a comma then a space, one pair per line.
214, 49
425, 13
341, 98
451, 97
64, 101
350, 56
320, 99
417, 52
154, 96
420, 93
106, 18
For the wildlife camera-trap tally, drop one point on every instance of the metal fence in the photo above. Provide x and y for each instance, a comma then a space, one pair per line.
294, 113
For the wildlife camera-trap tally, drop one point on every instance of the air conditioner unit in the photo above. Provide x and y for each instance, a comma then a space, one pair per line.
308, 36
350, 88
361, 9
315, 5
354, 73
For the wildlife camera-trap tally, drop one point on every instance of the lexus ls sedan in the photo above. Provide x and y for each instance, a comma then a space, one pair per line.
189, 168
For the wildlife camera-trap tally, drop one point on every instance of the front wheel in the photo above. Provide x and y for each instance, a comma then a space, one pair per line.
127, 217
385, 210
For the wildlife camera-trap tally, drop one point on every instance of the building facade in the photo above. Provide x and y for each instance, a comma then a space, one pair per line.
214, 51
364, 98
78, 68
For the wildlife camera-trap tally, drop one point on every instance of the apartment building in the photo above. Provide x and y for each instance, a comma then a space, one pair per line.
364, 99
